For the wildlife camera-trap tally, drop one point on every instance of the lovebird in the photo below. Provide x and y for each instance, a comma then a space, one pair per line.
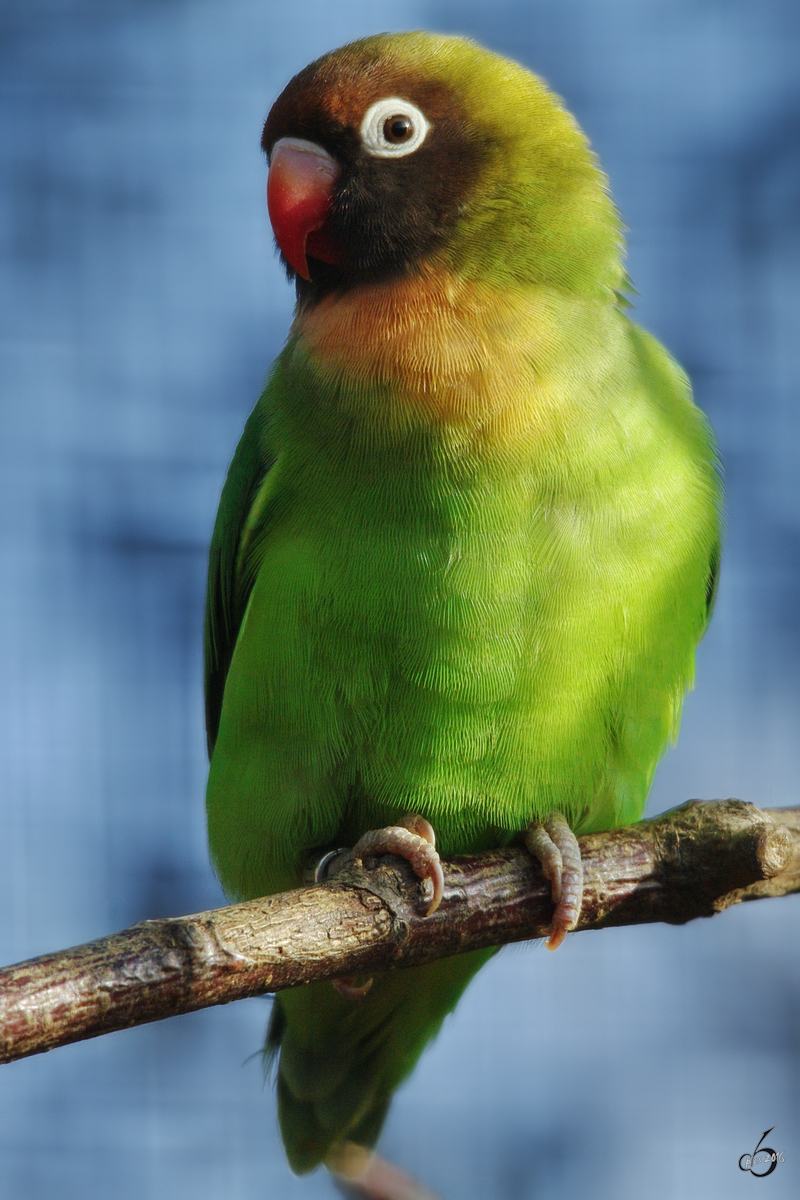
468, 541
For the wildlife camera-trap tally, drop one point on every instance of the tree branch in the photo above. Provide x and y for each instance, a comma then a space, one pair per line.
692, 861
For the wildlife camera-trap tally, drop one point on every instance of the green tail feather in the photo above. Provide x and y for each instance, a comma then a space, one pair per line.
341, 1060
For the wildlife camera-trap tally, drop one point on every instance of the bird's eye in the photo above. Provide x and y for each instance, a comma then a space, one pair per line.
393, 127
397, 129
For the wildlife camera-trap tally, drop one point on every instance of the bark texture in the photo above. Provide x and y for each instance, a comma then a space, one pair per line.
692, 861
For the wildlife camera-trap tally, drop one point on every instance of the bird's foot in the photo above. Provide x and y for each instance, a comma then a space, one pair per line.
349, 987
361, 1173
554, 844
411, 838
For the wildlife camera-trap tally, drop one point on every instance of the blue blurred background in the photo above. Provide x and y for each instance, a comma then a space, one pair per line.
141, 306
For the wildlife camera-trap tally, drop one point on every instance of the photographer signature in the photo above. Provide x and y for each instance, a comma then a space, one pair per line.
762, 1156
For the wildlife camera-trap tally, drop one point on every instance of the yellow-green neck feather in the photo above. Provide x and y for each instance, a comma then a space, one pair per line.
485, 370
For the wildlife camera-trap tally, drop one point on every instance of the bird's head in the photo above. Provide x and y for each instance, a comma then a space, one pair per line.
408, 151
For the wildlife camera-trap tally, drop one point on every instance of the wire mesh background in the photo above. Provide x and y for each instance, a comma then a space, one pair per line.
141, 306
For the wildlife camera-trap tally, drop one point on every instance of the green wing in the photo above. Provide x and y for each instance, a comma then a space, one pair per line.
713, 584
229, 586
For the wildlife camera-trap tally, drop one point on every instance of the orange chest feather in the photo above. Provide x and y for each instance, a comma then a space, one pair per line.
453, 351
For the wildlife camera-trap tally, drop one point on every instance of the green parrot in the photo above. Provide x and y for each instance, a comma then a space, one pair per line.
468, 541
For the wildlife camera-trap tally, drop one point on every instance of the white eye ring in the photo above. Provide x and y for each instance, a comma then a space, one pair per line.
372, 128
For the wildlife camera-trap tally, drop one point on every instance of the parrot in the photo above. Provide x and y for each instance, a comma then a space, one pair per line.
467, 544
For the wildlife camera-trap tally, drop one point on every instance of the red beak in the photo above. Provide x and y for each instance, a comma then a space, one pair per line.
299, 195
